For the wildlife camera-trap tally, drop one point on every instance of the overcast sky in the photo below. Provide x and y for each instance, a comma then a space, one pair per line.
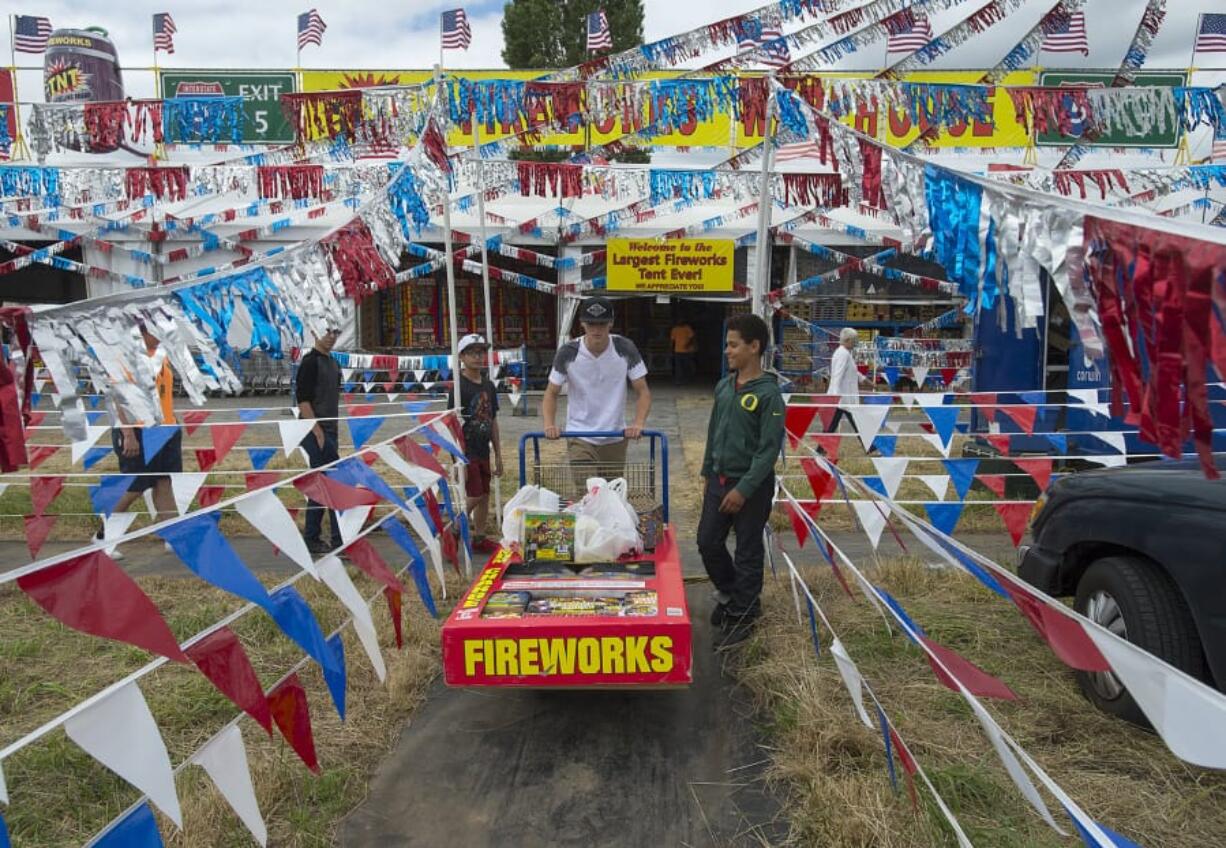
379, 34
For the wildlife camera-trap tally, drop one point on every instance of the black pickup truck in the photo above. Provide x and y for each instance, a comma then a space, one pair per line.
1142, 550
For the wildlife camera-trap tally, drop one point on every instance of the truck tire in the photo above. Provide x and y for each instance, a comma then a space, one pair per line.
1132, 597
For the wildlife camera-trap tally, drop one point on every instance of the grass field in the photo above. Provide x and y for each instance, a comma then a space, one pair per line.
832, 769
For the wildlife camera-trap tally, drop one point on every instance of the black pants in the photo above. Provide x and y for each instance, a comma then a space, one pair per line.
839, 415
738, 576
684, 367
315, 511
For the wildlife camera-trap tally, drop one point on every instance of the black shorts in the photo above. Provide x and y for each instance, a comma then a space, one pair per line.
169, 460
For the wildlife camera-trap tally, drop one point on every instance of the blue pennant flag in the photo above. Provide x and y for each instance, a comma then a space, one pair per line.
347, 388
417, 567
887, 445
944, 515
260, 456
963, 427
416, 407
92, 417
1088, 839
94, 400
335, 678
249, 415
817, 645
368, 376
354, 472
445, 492
889, 748
4, 833
35, 397
1033, 398
891, 374
962, 473
876, 484
434, 438
293, 615
944, 419
369, 396
977, 571
138, 829
901, 613
877, 400
109, 490
153, 439
93, 456
198, 542
468, 544
362, 428
1059, 441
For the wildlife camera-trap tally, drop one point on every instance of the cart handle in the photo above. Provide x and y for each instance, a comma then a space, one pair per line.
651, 435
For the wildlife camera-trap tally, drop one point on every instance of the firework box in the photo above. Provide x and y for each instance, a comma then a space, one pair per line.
488, 644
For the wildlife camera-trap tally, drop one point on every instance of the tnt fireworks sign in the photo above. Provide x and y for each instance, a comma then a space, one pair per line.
260, 90
677, 265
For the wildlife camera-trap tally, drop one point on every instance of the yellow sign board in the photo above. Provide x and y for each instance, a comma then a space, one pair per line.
681, 265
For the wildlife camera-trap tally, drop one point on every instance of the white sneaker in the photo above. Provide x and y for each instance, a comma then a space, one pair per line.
113, 552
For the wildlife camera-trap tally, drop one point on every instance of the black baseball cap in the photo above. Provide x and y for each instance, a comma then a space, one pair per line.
596, 310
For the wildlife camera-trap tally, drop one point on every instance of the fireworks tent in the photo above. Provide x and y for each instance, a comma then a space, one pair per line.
1036, 258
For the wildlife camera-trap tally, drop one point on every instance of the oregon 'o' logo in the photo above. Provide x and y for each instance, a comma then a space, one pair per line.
749, 402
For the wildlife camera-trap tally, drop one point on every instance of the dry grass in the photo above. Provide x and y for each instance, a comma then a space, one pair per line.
60, 796
832, 768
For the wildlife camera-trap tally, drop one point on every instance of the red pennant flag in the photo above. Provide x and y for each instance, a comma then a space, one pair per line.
436, 514
38, 527
451, 549
995, 482
225, 437
363, 554
324, 490
1023, 416
206, 458
1016, 516
986, 401
394, 607
260, 479
827, 408
1001, 442
361, 409
44, 490
209, 495
1039, 468
796, 421
370, 457
193, 418
288, 703
388, 386
221, 658
909, 766
798, 524
36, 418
1064, 634
813, 508
416, 454
927, 427
92, 594
976, 680
457, 431
40, 454
821, 480
838, 574
948, 375
829, 442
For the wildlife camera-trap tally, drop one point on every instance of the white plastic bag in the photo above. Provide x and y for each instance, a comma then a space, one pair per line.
528, 499
606, 526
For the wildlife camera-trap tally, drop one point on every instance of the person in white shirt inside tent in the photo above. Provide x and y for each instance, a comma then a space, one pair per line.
845, 379
595, 368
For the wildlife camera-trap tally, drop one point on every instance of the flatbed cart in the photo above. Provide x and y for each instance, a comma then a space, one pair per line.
614, 648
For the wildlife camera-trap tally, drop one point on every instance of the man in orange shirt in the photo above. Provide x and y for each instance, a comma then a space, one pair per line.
684, 348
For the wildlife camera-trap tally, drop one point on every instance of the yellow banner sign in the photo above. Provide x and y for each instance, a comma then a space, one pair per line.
683, 265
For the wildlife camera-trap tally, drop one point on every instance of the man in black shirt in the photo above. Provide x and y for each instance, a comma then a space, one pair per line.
318, 392
479, 409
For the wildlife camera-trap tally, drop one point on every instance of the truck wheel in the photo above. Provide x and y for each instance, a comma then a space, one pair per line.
1134, 599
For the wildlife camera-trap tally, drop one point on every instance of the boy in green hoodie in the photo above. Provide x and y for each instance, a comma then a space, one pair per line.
743, 440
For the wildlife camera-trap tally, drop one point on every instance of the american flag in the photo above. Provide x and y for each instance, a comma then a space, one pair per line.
31, 34
1211, 34
457, 34
751, 34
599, 37
910, 39
310, 29
798, 150
163, 32
1068, 36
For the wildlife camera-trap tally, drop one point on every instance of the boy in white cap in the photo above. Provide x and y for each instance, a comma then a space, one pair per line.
479, 409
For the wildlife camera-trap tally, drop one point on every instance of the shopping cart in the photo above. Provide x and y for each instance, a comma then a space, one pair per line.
646, 482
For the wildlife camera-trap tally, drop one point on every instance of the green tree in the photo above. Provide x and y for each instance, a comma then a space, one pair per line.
553, 33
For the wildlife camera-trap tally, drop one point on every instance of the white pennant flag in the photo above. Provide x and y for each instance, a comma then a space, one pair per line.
266, 513
38, 385
184, 485
3, 486
421, 525
333, 574
92, 434
1115, 440
514, 396
115, 525
297, 412
4, 790
893, 426
868, 421
495, 372
119, 732
225, 761
939, 483
293, 432
851, 679
872, 515
919, 373
418, 375
934, 439
422, 478
930, 398
369, 387
1089, 398
907, 398
350, 521
149, 504
391, 396
1016, 773
891, 469
347, 374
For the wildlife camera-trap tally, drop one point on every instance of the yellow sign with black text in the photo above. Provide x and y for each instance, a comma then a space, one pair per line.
677, 266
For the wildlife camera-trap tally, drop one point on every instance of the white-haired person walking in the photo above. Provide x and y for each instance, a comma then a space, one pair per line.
845, 379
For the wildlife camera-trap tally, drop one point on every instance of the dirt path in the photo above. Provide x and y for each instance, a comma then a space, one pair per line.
510, 768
